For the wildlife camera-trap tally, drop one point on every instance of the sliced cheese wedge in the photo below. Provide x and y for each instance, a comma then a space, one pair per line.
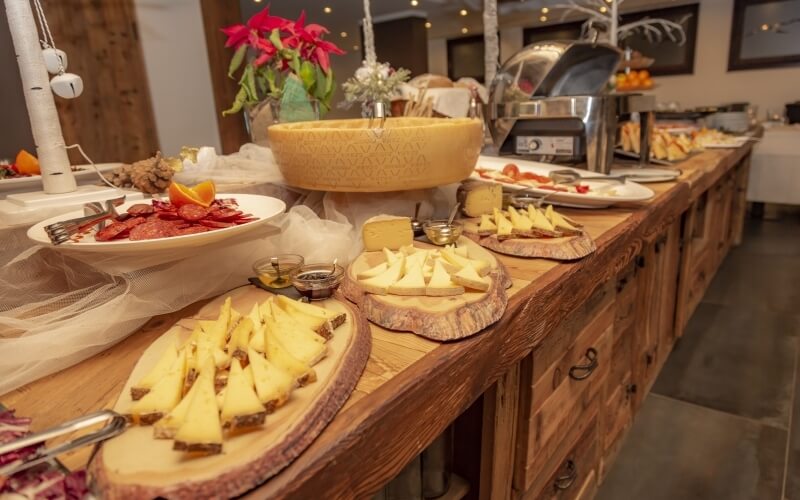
539, 220
159, 371
280, 356
413, 283
390, 256
296, 340
326, 320
240, 338
469, 278
164, 396
440, 284
373, 271
486, 225
379, 285
519, 221
241, 406
273, 384
201, 431
387, 231
504, 226
481, 266
297, 324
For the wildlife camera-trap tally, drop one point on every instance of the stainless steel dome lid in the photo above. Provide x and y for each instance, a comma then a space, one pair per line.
555, 68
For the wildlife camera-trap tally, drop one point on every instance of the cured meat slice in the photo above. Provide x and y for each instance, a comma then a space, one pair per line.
152, 230
192, 212
132, 222
111, 231
193, 230
216, 224
140, 209
226, 214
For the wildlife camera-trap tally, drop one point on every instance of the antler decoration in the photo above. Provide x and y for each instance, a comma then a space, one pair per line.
606, 14
491, 41
369, 35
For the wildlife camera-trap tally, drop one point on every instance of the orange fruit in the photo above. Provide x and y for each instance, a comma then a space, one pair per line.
644, 74
202, 194
27, 163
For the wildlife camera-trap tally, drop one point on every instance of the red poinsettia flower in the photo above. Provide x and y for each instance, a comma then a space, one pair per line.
237, 35
265, 23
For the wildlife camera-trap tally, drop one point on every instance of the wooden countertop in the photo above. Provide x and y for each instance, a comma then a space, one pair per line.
412, 388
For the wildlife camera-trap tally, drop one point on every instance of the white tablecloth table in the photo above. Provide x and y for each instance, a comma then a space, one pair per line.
775, 167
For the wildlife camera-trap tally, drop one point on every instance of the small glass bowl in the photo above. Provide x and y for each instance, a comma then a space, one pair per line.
317, 281
268, 275
439, 232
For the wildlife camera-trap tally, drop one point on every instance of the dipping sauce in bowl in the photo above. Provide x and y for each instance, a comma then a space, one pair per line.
268, 274
439, 232
317, 281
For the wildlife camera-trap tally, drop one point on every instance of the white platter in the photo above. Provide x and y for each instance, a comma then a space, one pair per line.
628, 192
34, 182
263, 207
737, 142
647, 174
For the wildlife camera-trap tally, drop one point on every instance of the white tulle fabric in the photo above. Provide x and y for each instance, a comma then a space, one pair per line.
59, 308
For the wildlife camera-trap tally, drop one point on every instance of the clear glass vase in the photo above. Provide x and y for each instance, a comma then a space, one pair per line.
259, 117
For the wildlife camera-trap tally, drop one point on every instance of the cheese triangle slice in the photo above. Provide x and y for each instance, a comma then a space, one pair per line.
201, 431
280, 356
413, 283
469, 278
297, 341
519, 221
164, 396
379, 285
373, 271
240, 338
440, 284
155, 374
539, 220
481, 266
169, 425
390, 256
486, 224
273, 384
504, 226
297, 324
241, 406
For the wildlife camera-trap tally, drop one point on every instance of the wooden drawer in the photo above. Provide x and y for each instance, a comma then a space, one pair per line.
557, 397
575, 476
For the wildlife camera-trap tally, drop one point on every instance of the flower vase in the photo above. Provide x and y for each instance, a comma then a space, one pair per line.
262, 115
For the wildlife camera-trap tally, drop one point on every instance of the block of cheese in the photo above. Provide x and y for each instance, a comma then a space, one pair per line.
387, 231
482, 198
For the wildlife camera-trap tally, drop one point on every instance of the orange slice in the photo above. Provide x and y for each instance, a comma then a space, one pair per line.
27, 163
202, 194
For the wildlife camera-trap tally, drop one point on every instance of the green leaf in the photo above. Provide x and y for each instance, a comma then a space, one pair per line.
270, 74
237, 59
238, 103
275, 38
307, 74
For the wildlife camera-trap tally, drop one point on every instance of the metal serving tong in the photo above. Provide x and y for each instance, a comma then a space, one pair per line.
97, 213
567, 176
115, 424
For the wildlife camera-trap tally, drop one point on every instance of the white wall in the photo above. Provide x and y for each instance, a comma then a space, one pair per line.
178, 74
712, 84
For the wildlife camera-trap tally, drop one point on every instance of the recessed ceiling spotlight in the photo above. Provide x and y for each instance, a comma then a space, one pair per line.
356, 47
464, 30
428, 24
463, 12
765, 27
257, 1
545, 10
414, 3
543, 19
343, 34
327, 10
603, 9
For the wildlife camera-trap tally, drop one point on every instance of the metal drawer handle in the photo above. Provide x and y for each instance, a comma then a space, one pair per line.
565, 480
587, 369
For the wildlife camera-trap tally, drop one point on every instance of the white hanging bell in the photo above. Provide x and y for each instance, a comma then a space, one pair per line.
55, 60
67, 85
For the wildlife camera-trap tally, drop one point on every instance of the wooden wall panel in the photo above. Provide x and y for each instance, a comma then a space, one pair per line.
218, 14
113, 119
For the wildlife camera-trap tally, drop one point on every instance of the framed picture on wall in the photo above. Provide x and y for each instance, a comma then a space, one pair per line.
764, 34
670, 57
563, 31
465, 58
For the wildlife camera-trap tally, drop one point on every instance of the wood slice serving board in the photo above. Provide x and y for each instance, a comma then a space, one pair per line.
566, 248
135, 465
437, 318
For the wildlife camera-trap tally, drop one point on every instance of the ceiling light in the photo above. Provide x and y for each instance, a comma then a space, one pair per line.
545, 10
343, 34
603, 9
327, 10
765, 27
543, 19
464, 30
414, 3
257, 1
428, 24
463, 12
355, 47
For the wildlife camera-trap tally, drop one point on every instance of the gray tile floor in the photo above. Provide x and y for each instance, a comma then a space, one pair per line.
723, 419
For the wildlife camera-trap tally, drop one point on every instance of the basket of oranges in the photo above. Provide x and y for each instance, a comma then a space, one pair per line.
634, 80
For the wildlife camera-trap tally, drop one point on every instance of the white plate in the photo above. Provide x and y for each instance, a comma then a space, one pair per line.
34, 182
263, 207
646, 174
737, 143
628, 192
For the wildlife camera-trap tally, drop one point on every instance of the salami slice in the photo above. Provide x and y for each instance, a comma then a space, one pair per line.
216, 224
152, 230
191, 212
140, 209
192, 230
226, 214
132, 222
111, 231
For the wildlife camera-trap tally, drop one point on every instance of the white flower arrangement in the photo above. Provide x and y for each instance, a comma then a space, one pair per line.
374, 82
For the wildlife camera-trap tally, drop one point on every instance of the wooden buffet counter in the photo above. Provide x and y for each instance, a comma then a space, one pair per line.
557, 381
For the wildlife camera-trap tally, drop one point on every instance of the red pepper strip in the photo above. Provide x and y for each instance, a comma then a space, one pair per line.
581, 189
